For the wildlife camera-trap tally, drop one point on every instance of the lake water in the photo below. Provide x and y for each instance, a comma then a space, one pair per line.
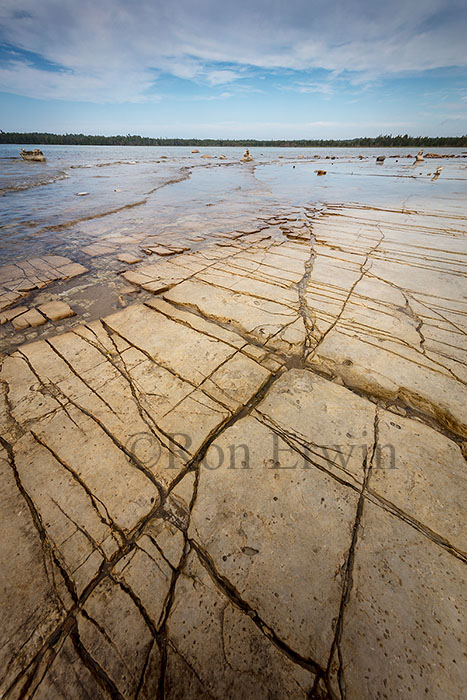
153, 187
174, 192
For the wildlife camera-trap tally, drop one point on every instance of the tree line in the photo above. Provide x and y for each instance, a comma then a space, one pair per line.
45, 139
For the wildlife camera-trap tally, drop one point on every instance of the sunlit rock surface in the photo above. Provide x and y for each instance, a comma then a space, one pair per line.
252, 484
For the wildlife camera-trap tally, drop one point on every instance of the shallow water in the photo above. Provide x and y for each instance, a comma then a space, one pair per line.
156, 191
137, 186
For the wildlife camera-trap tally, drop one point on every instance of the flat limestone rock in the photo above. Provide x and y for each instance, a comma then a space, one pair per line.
96, 249
182, 350
422, 473
228, 653
10, 314
386, 309
17, 280
20, 322
113, 630
257, 496
402, 626
73, 269
326, 422
253, 485
128, 258
34, 606
261, 319
56, 310
162, 250
32, 318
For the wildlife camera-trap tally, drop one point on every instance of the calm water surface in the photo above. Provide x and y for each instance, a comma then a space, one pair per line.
155, 190
152, 187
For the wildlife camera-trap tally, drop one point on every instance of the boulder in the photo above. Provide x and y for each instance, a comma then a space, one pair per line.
35, 155
246, 156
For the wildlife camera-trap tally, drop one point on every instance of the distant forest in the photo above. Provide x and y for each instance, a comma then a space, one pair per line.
132, 140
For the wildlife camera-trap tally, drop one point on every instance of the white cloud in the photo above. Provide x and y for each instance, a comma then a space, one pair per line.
113, 50
222, 77
324, 88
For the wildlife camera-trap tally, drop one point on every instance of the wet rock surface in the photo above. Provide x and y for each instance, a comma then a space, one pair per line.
251, 482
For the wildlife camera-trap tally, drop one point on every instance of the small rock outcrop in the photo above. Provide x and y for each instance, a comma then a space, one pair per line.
380, 159
246, 156
35, 155
419, 157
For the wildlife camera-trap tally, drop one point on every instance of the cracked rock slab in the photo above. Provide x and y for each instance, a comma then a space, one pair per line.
403, 633
252, 484
264, 499
223, 649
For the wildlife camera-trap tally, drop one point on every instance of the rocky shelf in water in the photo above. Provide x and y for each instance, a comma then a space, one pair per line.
250, 485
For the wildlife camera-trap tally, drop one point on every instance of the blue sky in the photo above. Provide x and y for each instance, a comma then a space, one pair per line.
257, 68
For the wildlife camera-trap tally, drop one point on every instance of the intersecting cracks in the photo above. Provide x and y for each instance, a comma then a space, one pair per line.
364, 268
248, 293
135, 391
51, 389
171, 438
86, 615
76, 374
108, 520
155, 543
79, 528
133, 459
408, 309
308, 451
167, 607
423, 349
348, 566
247, 336
68, 627
159, 631
97, 672
186, 324
438, 313
222, 584
137, 394
368, 338
49, 550
419, 321
231, 593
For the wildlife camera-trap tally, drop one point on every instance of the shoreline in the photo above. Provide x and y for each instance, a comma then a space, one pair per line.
265, 453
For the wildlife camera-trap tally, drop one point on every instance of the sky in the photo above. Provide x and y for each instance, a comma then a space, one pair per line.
276, 69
